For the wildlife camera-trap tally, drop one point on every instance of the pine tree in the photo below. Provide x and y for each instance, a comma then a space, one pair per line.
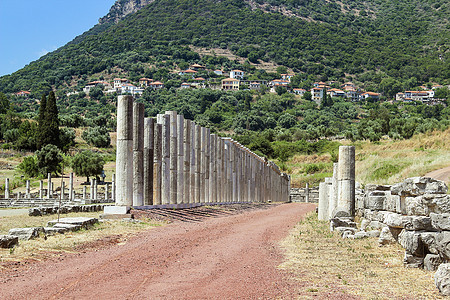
50, 123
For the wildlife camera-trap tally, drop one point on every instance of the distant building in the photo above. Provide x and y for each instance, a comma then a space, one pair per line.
188, 72
300, 92
103, 84
128, 88
156, 85
278, 82
237, 74
145, 82
196, 67
370, 95
317, 94
218, 72
118, 82
336, 93
22, 94
255, 85
287, 77
185, 85
230, 84
422, 96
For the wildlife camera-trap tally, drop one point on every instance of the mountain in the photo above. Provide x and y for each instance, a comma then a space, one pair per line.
377, 42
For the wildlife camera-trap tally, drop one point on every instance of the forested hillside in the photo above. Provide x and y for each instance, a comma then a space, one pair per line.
403, 43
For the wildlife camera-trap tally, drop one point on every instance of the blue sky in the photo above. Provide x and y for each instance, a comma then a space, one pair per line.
31, 28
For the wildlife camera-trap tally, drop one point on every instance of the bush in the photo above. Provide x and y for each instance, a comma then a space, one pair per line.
49, 160
29, 166
87, 163
97, 136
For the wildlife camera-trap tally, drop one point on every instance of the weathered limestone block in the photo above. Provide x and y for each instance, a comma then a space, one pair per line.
415, 206
373, 233
431, 262
376, 187
412, 261
440, 221
429, 240
394, 220
361, 235
442, 279
8, 241
364, 224
438, 204
443, 244
26, 233
376, 225
341, 222
411, 241
342, 230
34, 212
390, 204
348, 235
381, 215
375, 200
416, 186
417, 223
67, 226
54, 230
386, 237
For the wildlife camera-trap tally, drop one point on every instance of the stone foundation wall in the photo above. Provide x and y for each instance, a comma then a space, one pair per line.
299, 195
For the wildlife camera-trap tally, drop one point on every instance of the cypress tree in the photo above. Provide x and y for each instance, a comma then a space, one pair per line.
50, 128
41, 122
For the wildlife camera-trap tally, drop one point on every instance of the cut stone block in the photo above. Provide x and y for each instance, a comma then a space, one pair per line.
26, 233
431, 262
68, 227
443, 244
416, 186
411, 241
8, 241
417, 223
440, 221
386, 237
116, 210
429, 240
81, 221
442, 279
412, 261
53, 230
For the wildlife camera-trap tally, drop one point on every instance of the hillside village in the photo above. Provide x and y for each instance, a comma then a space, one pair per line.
238, 80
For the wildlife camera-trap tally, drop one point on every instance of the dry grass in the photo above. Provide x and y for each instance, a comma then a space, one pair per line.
297, 164
37, 248
408, 158
325, 265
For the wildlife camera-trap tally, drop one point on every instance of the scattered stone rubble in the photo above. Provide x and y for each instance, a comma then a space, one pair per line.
414, 213
40, 211
56, 226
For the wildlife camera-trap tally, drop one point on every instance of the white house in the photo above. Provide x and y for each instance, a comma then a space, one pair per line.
237, 74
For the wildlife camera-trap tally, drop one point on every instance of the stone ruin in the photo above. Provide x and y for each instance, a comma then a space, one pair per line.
171, 162
414, 213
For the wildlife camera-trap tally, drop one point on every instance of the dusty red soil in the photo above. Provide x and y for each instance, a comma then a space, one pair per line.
227, 256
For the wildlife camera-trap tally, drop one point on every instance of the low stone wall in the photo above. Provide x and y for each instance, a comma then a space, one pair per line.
299, 195
39, 211
414, 213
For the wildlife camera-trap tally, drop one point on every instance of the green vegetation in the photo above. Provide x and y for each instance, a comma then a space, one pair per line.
87, 163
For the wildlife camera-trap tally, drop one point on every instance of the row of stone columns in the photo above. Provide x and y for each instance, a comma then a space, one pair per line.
108, 193
337, 194
176, 162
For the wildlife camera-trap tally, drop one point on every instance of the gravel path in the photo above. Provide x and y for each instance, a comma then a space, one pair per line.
222, 257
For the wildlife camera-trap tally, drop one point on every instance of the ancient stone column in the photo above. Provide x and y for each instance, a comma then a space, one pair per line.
27, 192
113, 188
157, 164
334, 196
91, 191
180, 161
307, 193
187, 160
41, 189
173, 157
71, 187
84, 192
106, 191
124, 156
207, 139
202, 164
212, 170
7, 195
198, 161
164, 120
63, 186
219, 182
138, 154
346, 182
323, 201
49, 186
148, 160
192, 169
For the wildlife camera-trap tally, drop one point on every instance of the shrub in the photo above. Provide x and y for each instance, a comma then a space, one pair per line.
97, 136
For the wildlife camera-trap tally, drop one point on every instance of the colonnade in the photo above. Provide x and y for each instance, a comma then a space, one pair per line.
173, 162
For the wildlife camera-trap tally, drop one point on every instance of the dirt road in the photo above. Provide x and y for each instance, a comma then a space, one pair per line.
229, 257
441, 174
